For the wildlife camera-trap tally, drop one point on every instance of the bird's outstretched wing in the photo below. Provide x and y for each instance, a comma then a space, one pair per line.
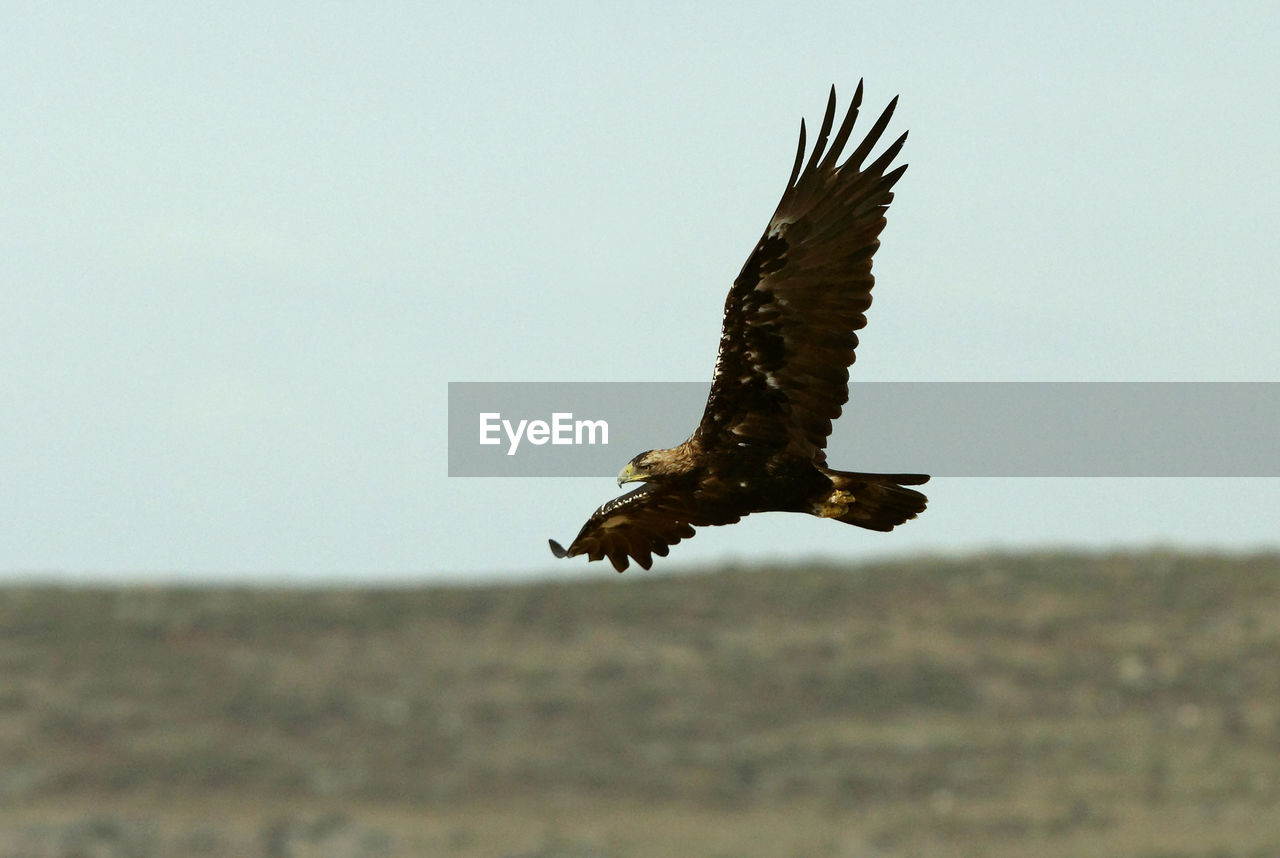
644, 522
788, 338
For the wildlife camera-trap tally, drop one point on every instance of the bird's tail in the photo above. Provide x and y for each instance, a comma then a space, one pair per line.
874, 501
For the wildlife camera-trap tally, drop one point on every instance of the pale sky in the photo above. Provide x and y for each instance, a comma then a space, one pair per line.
245, 248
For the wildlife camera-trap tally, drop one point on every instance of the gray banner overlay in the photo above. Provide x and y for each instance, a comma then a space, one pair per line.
948, 429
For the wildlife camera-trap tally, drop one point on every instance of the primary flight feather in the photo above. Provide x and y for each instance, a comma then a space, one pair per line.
782, 373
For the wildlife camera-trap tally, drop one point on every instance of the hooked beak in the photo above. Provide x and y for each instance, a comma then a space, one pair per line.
627, 475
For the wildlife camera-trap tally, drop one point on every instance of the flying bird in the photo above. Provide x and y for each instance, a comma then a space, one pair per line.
782, 373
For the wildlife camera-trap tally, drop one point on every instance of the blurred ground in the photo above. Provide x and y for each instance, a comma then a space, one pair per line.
1049, 705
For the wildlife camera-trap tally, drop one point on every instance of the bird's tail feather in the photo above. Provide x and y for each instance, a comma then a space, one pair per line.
874, 501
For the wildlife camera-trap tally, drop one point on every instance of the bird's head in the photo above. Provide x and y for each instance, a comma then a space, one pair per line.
651, 466
637, 470
660, 466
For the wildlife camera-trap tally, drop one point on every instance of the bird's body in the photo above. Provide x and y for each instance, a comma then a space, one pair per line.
781, 375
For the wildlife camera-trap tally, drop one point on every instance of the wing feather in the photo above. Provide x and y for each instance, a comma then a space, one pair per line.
827, 121
846, 128
644, 522
789, 321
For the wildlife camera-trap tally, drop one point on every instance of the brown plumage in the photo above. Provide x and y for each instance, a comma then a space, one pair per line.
781, 375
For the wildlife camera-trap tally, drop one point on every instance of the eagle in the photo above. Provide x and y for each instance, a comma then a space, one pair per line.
782, 372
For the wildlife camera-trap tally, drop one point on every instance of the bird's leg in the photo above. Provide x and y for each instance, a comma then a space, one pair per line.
835, 505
